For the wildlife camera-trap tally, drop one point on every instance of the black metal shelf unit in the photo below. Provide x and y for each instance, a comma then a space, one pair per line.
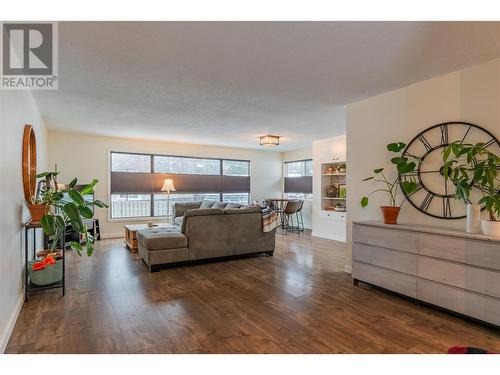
29, 287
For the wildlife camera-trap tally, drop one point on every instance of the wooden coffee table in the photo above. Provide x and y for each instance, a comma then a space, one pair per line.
131, 233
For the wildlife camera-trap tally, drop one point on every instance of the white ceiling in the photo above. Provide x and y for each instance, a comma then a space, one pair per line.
225, 84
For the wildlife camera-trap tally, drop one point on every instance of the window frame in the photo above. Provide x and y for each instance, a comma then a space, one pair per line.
308, 197
152, 171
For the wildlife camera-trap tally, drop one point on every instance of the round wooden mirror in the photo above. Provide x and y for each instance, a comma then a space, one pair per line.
29, 164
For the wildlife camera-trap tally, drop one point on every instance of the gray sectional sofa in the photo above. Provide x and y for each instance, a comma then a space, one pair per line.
206, 230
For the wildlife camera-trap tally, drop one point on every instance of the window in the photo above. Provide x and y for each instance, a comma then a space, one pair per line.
121, 162
298, 179
298, 168
181, 165
130, 205
136, 194
241, 198
309, 167
235, 168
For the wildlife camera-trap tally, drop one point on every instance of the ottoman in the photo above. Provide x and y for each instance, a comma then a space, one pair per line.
161, 246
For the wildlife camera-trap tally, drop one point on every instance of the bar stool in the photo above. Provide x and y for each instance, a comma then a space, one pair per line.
290, 210
300, 218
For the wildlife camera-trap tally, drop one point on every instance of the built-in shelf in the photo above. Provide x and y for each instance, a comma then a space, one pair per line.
333, 174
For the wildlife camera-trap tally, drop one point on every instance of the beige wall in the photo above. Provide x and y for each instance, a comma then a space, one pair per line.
17, 108
301, 154
471, 94
87, 157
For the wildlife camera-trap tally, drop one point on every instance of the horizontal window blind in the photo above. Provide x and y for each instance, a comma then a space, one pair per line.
298, 184
150, 183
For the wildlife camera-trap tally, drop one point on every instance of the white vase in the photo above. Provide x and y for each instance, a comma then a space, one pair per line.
491, 228
473, 218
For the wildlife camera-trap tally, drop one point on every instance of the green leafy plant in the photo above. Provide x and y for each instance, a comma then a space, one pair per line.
403, 166
473, 165
65, 207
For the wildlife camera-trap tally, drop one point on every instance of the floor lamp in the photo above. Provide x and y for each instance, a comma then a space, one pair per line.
168, 186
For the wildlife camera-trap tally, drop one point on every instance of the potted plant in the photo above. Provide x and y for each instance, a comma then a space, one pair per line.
391, 185
471, 166
64, 207
37, 205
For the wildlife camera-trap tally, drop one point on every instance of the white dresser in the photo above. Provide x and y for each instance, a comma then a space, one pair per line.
447, 268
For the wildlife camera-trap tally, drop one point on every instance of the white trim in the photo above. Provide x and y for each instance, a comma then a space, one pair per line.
112, 235
329, 236
348, 268
10, 325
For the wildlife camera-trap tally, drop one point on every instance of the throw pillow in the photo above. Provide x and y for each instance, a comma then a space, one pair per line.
233, 205
219, 205
207, 204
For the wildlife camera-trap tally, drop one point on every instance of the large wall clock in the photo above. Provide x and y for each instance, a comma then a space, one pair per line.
435, 194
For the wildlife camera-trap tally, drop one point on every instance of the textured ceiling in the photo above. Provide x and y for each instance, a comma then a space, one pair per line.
227, 83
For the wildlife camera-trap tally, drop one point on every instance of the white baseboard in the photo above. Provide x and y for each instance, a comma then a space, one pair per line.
328, 236
348, 268
4, 340
106, 236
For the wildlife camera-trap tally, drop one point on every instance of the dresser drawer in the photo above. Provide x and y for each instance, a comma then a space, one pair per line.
385, 278
400, 261
475, 279
461, 301
474, 252
388, 238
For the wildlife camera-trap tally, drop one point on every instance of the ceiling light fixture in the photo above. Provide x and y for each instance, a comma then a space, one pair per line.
269, 140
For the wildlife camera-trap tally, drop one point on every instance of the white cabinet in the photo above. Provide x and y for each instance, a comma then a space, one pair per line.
330, 150
332, 215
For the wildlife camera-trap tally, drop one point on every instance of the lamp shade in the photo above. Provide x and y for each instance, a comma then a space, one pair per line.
168, 185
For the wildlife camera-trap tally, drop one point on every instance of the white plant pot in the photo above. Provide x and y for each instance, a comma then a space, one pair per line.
491, 228
473, 218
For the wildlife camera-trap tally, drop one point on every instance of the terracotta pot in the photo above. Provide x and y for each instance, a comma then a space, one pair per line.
37, 211
390, 214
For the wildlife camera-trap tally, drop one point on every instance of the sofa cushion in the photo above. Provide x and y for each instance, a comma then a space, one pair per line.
219, 205
162, 239
203, 212
180, 208
207, 204
200, 212
178, 220
242, 210
233, 205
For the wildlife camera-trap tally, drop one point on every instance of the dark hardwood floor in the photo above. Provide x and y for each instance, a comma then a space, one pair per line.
299, 301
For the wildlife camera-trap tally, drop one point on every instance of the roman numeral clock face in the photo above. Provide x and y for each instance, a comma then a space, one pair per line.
435, 194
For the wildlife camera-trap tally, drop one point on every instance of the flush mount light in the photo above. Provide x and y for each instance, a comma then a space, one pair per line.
269, 140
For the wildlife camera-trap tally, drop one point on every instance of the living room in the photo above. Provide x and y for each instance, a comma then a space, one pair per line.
251, 188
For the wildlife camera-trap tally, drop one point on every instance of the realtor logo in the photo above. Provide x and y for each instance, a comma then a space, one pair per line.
29, 57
